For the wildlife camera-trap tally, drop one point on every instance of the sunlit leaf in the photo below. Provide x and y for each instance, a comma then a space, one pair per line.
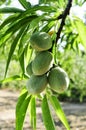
47, 117
81, 29
21, 109
4, 39
58, 109
32, 112
48, 26
21, 98
12, 78
61, 3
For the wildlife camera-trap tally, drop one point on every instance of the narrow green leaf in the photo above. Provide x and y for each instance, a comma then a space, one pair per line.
12, 48
42, 1
47, 118
61, 3
46, 1
22, 49
48, 26
41, 8
58, 109
4, 39
11, 10
15, 77
28, 55
32, 112
25, 4
9, 19
21, 110
35, 23
15, 26
22, 62
21, 99
81, 29
23, 40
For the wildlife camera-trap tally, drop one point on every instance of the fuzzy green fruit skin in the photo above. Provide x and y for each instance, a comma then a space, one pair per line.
42, 63
36, 84
29, 69
58, 80
41, 41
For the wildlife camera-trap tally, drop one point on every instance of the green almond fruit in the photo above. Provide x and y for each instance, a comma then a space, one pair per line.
41, 41
42, 63
36, 84
29, 69
58, 80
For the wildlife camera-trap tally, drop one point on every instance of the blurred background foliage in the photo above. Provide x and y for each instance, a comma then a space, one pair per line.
74, 64
6, 2
71, 54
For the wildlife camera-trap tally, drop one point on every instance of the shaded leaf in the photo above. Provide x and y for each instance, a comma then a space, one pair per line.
21, 51
23, 41
25, 4
45, 1
14, 27
12, 48
35, 23
22, 62
11, 10
40, 8
9, 19
28, 55
42, 1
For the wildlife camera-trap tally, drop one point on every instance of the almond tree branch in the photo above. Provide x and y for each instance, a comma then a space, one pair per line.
64, 15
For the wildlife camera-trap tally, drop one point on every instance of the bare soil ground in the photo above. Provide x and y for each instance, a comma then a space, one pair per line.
75, 112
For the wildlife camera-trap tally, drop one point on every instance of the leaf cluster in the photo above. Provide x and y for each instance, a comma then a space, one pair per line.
18, 27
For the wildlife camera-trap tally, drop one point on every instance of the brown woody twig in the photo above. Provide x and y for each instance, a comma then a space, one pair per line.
64, 15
